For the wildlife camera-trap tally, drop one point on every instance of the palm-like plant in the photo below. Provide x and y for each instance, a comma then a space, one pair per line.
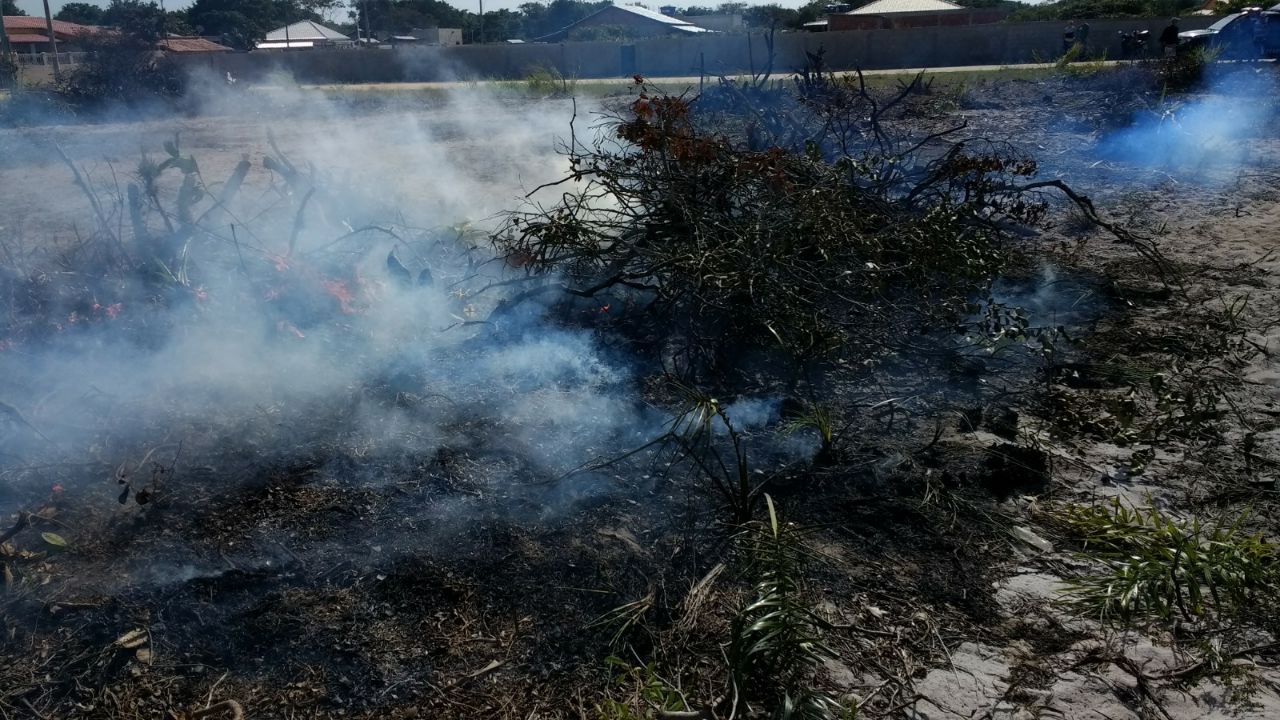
694, 432
777, 639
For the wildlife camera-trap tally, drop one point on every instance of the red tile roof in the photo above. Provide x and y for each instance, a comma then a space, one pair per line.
192, 45
13, 23
28, 38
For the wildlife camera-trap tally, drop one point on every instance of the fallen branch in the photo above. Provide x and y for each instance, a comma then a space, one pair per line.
24, 521
231, 706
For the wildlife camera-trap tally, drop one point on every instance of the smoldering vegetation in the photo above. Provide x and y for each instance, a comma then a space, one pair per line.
1205, 137
271, 314
433, 409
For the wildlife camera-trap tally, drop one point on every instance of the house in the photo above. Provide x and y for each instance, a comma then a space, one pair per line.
31, 34
892, 14
437, 36
182, 45
720, 22
303, 35
625, 20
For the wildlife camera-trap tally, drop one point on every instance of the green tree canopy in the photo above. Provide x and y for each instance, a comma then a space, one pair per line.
143, 19
531, 20
556, 15
79, 12
1090, 9
241, 23
401, 16
10, 7
770, 16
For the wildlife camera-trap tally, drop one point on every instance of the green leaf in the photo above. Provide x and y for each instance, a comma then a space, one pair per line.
773, 516
54, 539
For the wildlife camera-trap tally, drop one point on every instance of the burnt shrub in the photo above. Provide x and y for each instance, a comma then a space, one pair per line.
1186, 70
819, 219
122, 67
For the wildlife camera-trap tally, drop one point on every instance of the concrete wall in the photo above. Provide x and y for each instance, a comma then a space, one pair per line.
35, 75
998, 44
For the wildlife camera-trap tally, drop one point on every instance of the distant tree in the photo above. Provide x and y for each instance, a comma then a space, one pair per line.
1012, 5
144, 20
814, 10
696, 10
124, 66
79, 12
401, 16
176, 23
10, 7
731, 8
499, 25
241, 23
1088, 9
540, 19
769, 16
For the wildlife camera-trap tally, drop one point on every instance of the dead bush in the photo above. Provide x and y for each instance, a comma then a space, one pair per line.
122, 67
825, 219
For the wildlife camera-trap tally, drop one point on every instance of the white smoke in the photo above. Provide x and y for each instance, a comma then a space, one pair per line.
284, 337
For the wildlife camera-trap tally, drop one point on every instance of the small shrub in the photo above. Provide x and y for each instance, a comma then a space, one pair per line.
777, 642
648, 695
549, 81
694, 434
124, 67
1160, 567
1186, 69
821, 419
775, 647
1072, 54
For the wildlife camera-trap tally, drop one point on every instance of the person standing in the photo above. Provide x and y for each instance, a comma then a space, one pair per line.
1169, 38
1260, 36
1082, 37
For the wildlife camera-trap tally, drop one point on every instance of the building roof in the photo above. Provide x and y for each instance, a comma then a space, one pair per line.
306, 30
25, 24
32, 38
889, 7
668, 23
303, 44
675, 23
658, 17
192, 45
